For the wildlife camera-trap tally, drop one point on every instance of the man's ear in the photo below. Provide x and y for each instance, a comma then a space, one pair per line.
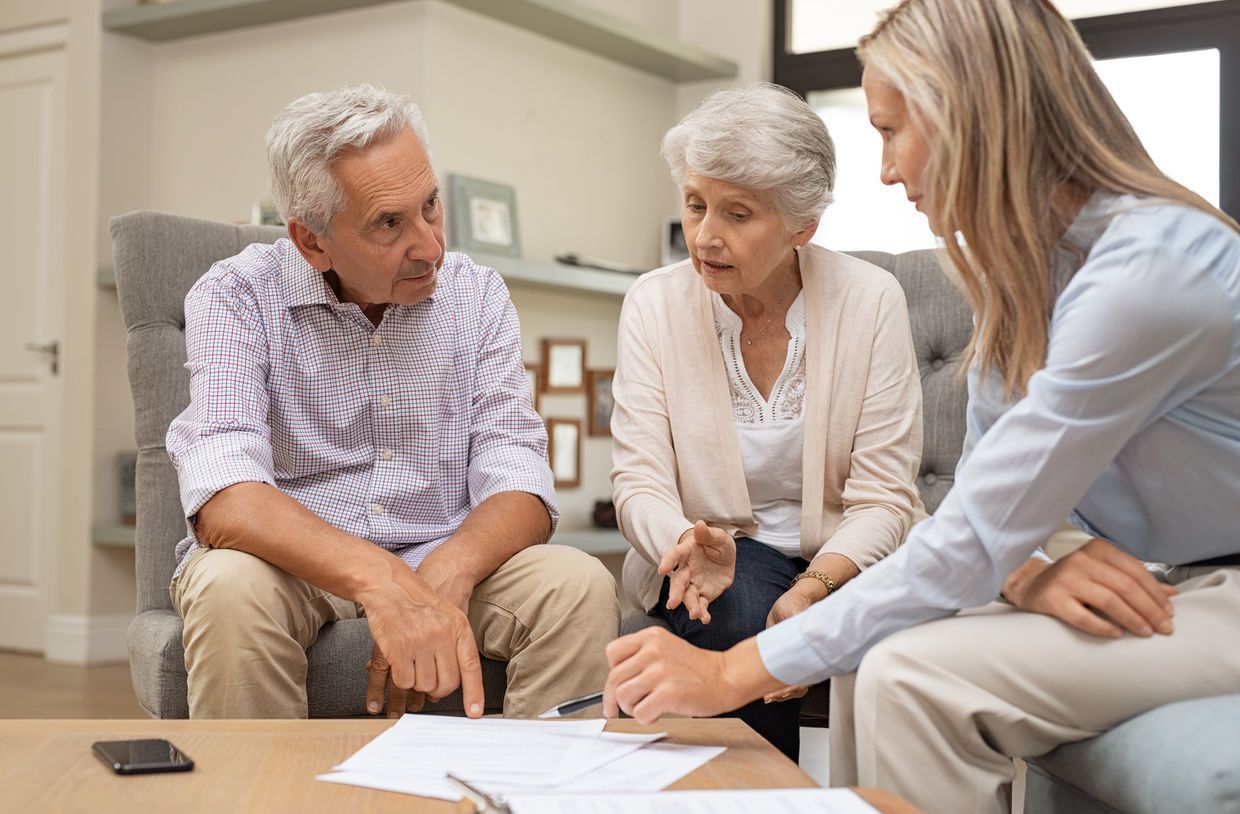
309, 244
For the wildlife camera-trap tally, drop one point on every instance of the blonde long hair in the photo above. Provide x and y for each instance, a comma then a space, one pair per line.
1018, 117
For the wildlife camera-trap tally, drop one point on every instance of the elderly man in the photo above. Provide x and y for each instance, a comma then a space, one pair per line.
360, 440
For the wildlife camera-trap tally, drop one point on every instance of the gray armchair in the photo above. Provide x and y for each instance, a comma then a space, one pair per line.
157, 258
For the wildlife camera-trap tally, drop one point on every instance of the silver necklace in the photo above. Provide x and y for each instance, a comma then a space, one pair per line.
779, 304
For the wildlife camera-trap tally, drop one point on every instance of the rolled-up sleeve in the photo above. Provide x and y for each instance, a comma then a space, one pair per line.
223, 437
508, 440
1133, 334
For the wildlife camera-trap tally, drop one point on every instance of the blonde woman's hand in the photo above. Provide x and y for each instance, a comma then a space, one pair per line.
1097, 578
701, 567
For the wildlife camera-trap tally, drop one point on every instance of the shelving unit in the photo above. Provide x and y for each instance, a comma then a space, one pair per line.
540, 273
565, 21
113, 535
593, 541
549, 274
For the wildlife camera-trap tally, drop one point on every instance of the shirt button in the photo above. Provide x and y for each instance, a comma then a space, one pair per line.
376, 339
387, 454
384, 401
376, 508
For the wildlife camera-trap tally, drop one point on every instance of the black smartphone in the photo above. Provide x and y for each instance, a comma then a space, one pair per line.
142, 756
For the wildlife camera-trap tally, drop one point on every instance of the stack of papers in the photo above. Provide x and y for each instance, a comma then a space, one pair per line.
512, 757
765, 801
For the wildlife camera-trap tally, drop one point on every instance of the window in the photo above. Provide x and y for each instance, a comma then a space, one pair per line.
1165, 68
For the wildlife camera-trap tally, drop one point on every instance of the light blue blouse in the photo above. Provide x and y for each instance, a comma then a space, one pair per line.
1132, 430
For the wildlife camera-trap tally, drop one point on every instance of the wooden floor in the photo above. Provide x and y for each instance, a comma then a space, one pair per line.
32, 688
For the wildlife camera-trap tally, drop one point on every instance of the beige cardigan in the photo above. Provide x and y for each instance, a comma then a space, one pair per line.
676, 454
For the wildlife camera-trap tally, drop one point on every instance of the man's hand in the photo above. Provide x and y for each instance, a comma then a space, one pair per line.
1096, 577
655, 672
794, 600
449, 580
422, 643
701, 567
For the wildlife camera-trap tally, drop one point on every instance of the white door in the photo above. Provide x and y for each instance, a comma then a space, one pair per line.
32, 223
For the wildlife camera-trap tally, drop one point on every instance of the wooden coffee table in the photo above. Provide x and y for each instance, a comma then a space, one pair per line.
270, 766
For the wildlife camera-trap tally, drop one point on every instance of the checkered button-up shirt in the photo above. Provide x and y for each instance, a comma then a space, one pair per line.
392, 433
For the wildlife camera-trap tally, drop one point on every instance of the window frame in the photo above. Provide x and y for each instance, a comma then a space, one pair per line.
1133, 34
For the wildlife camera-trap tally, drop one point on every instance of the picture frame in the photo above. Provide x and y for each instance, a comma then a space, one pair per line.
482, 216
533, 377
599, 402
564, 451
673, 246
264, 213
563, 366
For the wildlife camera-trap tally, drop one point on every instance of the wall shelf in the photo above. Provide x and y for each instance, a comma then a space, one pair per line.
566, 21
112, 534
593, 541
550, 274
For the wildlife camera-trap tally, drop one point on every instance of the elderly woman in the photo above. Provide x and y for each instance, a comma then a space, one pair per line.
768, 406
1105, 386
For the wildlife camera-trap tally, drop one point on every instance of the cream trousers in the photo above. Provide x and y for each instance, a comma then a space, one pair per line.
936, 713
548, 611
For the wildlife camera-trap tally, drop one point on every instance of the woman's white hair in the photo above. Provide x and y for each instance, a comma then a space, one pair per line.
762, 137
314, 130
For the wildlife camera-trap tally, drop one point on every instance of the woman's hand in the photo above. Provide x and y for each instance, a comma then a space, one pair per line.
701, 567
654, 672
794, 600
1096, 577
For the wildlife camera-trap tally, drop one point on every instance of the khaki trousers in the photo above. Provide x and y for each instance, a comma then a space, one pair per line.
548, 611
936, 713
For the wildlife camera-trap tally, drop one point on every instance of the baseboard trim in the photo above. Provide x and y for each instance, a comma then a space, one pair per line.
87, 639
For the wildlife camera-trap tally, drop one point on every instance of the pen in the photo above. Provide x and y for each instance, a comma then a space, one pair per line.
482, 801
573, 705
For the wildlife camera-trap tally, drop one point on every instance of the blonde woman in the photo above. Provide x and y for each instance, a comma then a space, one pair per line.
768, 405
1105, 387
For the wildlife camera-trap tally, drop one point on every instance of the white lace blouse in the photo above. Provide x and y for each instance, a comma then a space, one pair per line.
771, 431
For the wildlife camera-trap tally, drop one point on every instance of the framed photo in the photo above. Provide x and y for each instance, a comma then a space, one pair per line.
483, 216
674, 246
564, 366
564, 451
600, 401
263, 213
533, 377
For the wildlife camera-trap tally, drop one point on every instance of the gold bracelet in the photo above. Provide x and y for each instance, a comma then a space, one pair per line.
818, 575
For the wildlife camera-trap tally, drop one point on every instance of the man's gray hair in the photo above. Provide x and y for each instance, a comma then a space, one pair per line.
762, 137
314, 130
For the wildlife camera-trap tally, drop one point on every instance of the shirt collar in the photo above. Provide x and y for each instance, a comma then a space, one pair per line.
306, 285
1078, 241
303, 283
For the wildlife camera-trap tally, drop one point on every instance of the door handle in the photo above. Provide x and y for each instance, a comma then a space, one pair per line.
51, 349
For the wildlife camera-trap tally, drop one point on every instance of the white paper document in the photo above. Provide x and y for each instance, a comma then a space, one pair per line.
506, 757
486, 750
761, 801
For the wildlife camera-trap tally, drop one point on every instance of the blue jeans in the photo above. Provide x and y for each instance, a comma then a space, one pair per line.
762, 576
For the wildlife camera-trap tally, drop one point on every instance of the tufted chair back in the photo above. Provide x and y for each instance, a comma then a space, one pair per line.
941, 325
